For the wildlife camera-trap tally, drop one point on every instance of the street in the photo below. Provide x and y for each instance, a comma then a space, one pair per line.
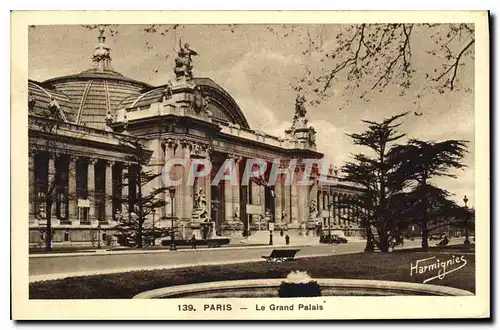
53, 267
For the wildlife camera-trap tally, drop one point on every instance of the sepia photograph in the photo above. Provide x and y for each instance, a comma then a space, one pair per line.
199, 163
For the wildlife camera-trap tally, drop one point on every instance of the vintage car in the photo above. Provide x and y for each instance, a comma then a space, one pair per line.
333, 239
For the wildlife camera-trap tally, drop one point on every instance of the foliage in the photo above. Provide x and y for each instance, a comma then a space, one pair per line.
396, 182
423, 160
362, 58
380, 176
134, 228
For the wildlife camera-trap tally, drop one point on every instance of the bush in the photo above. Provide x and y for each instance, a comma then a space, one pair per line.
290, 290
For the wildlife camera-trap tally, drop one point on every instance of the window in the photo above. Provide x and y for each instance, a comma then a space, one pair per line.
66, 236
83, 214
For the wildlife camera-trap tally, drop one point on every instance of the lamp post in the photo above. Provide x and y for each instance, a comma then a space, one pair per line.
271, 229
171, 191
465, 222
99, 235
154, 234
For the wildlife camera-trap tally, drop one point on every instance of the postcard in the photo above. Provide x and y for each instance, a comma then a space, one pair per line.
250, 165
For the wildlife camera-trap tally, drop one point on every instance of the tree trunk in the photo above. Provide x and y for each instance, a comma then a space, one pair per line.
48, 226
384, 243
425, 235
369, 240
139, 236
425, 230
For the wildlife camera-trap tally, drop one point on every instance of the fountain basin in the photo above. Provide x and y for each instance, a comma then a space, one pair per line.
268, 288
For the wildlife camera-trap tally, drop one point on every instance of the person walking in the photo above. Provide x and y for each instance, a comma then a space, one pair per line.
287, 239
193, 242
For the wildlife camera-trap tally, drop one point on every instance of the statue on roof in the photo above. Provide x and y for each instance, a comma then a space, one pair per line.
101, 56
54, 107
184, 61
125, 124
200, 101
166, 94
299, 118
312, 136
31, 102
108, 119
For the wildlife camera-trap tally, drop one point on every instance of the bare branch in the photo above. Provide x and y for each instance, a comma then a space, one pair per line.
454, 66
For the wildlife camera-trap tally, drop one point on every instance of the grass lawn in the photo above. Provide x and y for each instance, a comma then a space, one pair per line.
381, 266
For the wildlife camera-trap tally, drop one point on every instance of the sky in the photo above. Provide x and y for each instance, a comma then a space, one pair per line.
256, 65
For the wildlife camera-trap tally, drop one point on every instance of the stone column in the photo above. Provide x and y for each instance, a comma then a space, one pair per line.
321, 203
72, 197
159, 183
91, 187
170, 146
327, 199
117, 186
287, 202
254, 190
334, 208
236, 188
313, 196
294, 201
51, 181
278, 191
108, 191
184, 193
343, 200
233, 225
208, 193
302, 201
347, 217
228, 201
125, 191
313, 193
262, 198
31, 182
351, 213
338, 210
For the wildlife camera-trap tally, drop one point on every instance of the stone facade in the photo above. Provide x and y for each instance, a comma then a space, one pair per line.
188, 119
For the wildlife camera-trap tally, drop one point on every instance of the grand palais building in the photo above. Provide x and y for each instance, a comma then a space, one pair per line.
84, 130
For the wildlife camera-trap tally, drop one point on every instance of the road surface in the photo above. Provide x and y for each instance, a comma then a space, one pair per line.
57, 266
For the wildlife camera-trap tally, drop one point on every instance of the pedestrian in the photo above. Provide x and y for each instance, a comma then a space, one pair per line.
287, 239
193, 242
281, 232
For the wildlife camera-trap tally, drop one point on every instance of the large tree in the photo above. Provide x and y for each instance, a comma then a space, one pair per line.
136, 226
378, 172
425, 160
432, 206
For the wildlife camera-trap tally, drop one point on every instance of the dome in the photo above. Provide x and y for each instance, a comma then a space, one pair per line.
222, 106
39, 99
96, 91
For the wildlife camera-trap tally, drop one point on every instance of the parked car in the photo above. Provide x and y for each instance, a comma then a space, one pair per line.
333, 239
436, 237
